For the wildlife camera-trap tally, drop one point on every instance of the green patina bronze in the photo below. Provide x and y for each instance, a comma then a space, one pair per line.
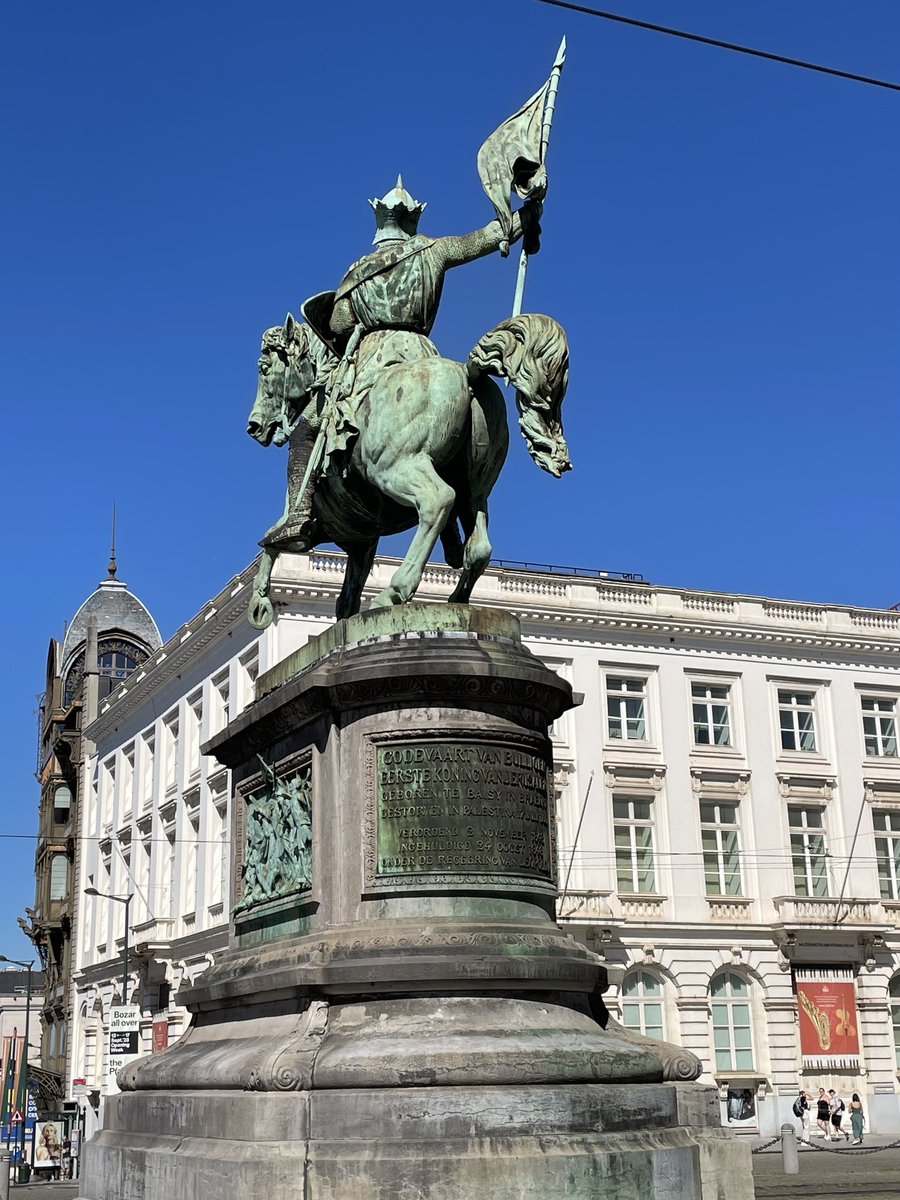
387, 435
278, 848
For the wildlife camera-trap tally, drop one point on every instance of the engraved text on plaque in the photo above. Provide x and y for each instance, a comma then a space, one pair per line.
453, 807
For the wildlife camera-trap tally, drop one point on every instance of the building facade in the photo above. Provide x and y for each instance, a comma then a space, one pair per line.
728, 806
108, 638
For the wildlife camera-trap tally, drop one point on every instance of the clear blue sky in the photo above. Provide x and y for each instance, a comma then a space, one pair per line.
721, 243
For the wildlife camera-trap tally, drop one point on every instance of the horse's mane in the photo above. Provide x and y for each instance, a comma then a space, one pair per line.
305, 341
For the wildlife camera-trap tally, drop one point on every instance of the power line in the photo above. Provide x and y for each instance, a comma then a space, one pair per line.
708, 41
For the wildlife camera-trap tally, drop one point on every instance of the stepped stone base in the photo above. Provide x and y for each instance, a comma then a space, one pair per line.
619, 1142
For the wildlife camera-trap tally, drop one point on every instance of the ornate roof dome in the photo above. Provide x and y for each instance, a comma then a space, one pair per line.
117, 610
126, 634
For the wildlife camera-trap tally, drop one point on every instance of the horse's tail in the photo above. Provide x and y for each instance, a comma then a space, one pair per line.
532, 352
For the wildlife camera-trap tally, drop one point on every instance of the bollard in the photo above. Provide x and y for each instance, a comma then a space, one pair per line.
790, 1158
5, 1160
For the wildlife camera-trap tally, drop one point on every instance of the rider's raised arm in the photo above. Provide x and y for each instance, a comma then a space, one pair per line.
455, 251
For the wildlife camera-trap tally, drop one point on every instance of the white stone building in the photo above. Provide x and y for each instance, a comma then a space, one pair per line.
729, 814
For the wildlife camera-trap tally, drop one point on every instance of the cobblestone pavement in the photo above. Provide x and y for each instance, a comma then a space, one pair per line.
846, 1176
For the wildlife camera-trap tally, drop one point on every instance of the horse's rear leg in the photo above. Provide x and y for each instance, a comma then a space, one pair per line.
488, 443
360, 556
476, 553
414, 483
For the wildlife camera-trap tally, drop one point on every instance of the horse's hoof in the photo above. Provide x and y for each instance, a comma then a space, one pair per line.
260, 614
384, 599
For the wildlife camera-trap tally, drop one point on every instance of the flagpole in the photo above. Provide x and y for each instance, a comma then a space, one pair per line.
549, 106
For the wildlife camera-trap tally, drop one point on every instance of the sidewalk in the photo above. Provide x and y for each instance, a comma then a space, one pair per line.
851, 1172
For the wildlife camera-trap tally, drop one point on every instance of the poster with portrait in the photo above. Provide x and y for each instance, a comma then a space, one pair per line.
829, 1025
48, 1142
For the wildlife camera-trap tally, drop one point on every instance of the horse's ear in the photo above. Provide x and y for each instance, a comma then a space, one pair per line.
289, 324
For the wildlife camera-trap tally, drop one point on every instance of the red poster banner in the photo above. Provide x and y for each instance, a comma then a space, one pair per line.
829, 1026
160, 1034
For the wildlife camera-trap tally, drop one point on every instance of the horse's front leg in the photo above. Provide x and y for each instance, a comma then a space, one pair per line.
261, 613
414, 483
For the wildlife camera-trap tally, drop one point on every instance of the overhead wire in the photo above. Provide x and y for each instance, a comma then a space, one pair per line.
721, 45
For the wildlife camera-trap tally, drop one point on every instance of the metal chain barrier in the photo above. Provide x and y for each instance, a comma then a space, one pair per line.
766, 1145
846, 1149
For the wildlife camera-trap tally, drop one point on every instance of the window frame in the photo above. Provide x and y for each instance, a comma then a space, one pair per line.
891, 813
794, 708
53, 877
804, 831
632, 824
718, 827
877, 716
640, 1001
731, 704
729, 1002
646, 676
894, 1007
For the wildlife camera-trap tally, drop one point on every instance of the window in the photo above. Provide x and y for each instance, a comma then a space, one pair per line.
720, 836
642, 1004
221, 692
887, 851
62, 805
731, 1022
219, 843
633, 826
194, 715
189, 869
711, 712
626, 708
248, 672
107, 790
147, 757
880, 726
114, 666
807, 830
894, 995
797, 720
59, 877
126, 783
170, 750
170, 884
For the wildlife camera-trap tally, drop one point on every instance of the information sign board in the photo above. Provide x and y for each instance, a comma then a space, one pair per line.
123, 1042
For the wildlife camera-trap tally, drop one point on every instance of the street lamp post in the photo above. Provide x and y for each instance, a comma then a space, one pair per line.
126, 900
28, 966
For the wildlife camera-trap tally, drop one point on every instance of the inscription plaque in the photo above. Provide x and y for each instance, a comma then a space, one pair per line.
451, 807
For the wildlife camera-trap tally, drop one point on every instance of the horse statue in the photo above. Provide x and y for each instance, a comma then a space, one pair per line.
432, 439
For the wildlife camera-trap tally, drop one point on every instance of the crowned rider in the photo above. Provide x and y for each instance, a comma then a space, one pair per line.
381, 315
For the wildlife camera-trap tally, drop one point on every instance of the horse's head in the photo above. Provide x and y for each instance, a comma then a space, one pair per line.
287, 374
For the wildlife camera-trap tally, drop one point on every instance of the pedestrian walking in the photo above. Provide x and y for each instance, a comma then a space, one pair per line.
823, 1113
801, 1112
857, 1119
836, 1107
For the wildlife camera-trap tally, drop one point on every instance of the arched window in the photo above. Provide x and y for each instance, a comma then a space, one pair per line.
114, 664
62, 804
642, 1004
59, 877
732, 1022
894, 993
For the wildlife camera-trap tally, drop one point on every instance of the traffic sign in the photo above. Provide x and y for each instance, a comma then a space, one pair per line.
16, 1118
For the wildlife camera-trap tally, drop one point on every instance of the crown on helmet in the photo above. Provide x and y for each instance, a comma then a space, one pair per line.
396, 214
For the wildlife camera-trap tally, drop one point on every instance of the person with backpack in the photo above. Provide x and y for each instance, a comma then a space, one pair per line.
836, 1106
801, 1112
823, 1113
857, 1119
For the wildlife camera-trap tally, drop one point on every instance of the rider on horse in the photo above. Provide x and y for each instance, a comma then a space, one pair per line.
381, 315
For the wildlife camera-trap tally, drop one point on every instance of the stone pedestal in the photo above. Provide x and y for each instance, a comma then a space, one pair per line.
398, 1017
